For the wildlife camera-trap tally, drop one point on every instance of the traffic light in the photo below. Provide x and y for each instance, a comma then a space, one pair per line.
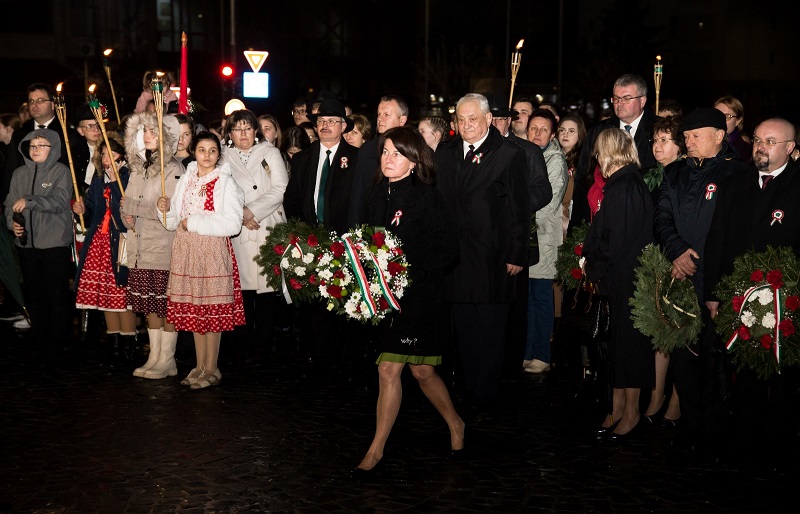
226, 71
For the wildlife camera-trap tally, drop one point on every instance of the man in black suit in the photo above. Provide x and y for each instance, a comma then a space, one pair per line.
483, 179
629, 99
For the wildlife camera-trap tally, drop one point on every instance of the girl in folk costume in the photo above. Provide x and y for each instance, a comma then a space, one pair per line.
204, 292
150, 246
101, 281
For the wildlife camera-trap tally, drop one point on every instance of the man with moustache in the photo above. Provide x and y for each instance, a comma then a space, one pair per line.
482, 177
745, 219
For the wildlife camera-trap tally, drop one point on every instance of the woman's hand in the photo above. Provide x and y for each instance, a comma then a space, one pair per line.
122, 203
163, 204
18, 230
110, 173
248, 215
185, 224
128, 220
78, 207
19, 205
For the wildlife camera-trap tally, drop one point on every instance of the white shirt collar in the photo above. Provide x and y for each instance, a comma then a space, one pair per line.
477, 144
634, 124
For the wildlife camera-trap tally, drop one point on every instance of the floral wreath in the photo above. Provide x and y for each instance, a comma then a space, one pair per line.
758, 310
568, 263
663, 308
289, 256
363, 274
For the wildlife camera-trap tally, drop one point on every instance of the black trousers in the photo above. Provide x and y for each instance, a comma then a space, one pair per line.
46, 273
480, 333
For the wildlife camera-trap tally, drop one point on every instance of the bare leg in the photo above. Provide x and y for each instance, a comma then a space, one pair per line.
674, 410
200, 349
127, 321
389, 398
154, 322
212, 352
657, 395
617, 408
435, 390
630, 415
168, 327
113, 325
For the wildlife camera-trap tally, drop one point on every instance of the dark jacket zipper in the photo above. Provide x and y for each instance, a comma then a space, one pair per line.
33, 186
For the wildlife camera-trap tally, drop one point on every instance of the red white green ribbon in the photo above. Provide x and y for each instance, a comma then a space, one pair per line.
777, 311
710, 190
777, 215
351, 250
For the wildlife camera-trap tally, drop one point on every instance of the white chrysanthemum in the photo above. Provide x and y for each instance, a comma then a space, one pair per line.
748, 318
768, 321
285, 263
326, 274
323, 292
375, 289
296, 254
350, 308
765, 296
299, 271
308, 258
398, 294
326, 259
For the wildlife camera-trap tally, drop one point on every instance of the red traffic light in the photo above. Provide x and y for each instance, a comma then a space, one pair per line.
226, 70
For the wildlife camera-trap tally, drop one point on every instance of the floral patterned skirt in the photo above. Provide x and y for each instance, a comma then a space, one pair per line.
97, 287
147, 291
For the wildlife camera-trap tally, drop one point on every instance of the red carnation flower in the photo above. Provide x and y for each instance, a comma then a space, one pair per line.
766, 341
312, 280
397, 250
338, 274
379, 238
395, 268
786, 327
757, 276
293, 239
383, 304
276, 269
576, 273
775, 278
312, 240
793, 302
335, 291
579, 249
737, 302
295, 284
744, 332
279, 249
337, 248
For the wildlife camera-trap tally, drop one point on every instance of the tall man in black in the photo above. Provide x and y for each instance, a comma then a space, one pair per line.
318, 193
745, 220
483, 179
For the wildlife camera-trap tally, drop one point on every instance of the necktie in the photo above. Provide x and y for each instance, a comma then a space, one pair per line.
326, 168
470, 154
764, 180
628, 129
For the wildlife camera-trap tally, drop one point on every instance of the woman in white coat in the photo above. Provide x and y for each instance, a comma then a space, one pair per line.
260, 171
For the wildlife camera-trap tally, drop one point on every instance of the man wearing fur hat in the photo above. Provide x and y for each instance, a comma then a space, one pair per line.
685, 208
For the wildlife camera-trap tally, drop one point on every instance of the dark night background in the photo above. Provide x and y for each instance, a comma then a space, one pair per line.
364, 49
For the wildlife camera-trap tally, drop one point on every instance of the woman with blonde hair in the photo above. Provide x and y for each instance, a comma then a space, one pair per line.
733, 110
621, 229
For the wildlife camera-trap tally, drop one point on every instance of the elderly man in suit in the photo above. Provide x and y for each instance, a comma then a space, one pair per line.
483, 178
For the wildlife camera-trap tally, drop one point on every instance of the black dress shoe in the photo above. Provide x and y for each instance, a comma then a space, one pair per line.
361, 474
627, 436
656, 418
669, 423
601, 431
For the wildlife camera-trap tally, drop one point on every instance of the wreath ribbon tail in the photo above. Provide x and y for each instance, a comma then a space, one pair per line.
385, 289
776, 301
361, 276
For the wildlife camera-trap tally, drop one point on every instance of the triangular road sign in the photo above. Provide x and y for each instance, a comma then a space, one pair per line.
256, 58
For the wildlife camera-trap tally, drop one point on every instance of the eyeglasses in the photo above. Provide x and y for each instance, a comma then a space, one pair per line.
39, 147
769, 142
322, 123
660, 140
38, 101
299, 111
624, 100
242, 129
731, 116
570, 131
90, 126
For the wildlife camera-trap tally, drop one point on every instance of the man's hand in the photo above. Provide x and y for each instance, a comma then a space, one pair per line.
19, 205
512, 269
713, 308
18, 229
684, 265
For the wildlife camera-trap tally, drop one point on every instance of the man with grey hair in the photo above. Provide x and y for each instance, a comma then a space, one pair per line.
483, 179
629, 98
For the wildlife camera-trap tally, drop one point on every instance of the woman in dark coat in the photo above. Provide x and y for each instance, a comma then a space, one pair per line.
622, 228
408, 205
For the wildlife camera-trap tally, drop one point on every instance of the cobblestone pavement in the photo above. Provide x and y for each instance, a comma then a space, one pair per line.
277, 437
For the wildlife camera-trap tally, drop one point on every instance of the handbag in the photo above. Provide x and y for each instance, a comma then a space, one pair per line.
122, 250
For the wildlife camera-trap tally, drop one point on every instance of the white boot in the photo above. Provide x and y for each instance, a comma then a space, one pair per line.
155, 350
165, 366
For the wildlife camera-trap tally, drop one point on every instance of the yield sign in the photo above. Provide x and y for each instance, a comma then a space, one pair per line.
256, 58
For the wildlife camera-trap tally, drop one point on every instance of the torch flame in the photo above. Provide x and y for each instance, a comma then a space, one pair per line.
107, 51
159, 74
58, 87
519, 45
658, 57
92, 88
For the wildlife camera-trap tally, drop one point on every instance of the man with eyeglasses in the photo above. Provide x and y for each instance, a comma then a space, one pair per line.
628, 99
90, 133
686, 202
300, 111
756, 209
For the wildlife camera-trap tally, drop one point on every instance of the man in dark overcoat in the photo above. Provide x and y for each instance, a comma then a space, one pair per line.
483, 178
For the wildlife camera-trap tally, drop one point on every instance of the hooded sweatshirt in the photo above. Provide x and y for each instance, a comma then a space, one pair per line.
47, 190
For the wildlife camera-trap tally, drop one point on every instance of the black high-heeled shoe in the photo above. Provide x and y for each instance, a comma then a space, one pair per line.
630, 434
654, 419
360, 474
601, 430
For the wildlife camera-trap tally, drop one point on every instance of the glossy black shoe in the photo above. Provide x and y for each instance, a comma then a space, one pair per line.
602, 431
627, 436
655, 419
669, 423
361, 474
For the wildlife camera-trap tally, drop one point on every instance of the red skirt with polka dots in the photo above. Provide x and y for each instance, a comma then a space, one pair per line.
204, 291
147, 291
97, 287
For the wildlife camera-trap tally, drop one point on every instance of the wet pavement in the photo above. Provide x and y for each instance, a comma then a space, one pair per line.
277, 436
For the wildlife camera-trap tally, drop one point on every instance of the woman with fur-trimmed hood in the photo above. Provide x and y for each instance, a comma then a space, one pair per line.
101, 280
150, 245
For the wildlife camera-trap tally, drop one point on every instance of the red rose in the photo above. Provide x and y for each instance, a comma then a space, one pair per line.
395, 268
579, 249
737, 302
276, 269
786, 327
312, 280
337, 248
793, 302
312, 240
744, 332
279, 249
766, 341
397, 250
322, 282
775, 278
293, 239
379, 238
383, 304
757, 276
335, 291
338, 274
295, 284
576, 273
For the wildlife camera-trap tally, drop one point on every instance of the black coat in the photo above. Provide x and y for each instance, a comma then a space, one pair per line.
490, 204
743, 220
367, 168
538, 183
298, 200
428, 240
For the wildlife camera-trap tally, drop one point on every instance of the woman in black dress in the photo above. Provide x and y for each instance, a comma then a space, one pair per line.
406, 202
621, 229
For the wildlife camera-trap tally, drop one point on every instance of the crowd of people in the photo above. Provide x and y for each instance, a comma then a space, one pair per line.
175, 214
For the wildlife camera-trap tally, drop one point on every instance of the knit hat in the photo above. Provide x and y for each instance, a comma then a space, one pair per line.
704, 117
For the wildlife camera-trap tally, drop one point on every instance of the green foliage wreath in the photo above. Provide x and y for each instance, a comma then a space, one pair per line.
568, 268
